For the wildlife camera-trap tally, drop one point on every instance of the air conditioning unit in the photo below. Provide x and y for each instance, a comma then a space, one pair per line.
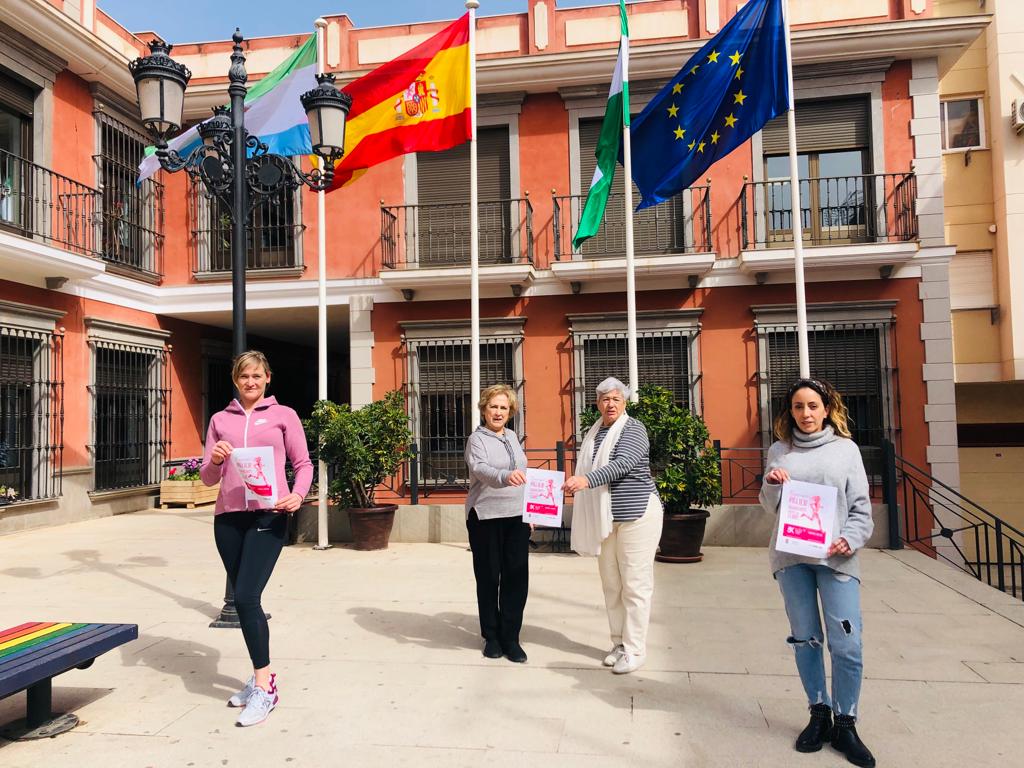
1017, 115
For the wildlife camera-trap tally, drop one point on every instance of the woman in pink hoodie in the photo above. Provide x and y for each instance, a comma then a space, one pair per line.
249, 536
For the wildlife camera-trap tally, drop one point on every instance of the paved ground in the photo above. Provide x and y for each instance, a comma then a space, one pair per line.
379, 662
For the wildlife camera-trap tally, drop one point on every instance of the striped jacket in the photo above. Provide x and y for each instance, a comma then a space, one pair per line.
627, 473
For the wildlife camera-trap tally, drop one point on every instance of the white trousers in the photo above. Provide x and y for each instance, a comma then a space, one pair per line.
626, 564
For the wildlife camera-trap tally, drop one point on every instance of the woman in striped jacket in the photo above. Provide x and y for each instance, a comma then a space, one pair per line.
617, 516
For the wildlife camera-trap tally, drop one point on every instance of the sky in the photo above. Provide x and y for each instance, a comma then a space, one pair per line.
190, 21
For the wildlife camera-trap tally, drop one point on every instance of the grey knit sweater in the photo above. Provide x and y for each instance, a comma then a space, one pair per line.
825, 459
491, 458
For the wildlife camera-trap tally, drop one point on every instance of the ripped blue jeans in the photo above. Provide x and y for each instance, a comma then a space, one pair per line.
801, 587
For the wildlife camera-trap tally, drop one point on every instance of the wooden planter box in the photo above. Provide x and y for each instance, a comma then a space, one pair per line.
189, 493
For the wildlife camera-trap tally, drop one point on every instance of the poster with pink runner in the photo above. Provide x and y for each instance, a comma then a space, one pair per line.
542, 497
256, 468
807, 514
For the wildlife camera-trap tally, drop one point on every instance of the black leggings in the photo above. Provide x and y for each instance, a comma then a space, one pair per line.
501, 565
249, 543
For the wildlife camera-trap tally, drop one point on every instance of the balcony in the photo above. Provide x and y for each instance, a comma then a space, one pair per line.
123, 228
426, 245
863, 220
668, 240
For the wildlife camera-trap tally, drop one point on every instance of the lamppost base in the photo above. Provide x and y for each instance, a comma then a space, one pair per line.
228, 619
322, 547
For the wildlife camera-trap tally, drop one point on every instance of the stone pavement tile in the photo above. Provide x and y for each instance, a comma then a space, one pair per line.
999, 672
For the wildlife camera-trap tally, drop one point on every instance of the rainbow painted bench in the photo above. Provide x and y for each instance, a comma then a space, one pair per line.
32, 654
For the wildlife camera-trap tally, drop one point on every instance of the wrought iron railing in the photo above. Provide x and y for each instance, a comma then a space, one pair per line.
837, 210
679, 225
943, 523
133, 226
437, 235
41, 204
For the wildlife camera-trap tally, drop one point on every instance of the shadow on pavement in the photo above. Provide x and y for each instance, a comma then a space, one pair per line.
196, 664
65, 699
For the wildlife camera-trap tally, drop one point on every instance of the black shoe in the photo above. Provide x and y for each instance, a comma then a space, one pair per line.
817, 731
514, 652
846, 740
492, 649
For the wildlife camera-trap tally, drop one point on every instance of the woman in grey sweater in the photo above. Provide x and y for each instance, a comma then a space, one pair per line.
814, 446
494, 518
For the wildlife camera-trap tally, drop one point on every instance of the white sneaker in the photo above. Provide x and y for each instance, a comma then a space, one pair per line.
614, 655
239, 699
629, 662
258, 707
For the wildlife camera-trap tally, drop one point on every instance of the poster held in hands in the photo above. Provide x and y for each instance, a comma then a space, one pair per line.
542, 497
807, 514
256, 468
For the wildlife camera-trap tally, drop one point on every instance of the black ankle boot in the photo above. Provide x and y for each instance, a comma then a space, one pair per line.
846, 740
817, 731
492, 649
514, 652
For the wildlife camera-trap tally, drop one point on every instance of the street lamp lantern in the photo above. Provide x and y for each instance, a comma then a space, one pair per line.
234, 166
160, 83
326, 109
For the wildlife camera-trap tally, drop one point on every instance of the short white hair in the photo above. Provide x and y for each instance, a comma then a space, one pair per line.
611, 384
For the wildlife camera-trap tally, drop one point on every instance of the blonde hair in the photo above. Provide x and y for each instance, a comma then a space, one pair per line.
499, 389
838, 416
244, 360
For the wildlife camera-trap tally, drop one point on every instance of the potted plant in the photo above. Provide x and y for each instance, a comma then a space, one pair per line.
685, 468
362, 448
183, 486
7, 494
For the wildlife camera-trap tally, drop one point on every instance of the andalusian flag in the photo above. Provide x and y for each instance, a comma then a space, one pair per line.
616, 116
273, 111
418, 102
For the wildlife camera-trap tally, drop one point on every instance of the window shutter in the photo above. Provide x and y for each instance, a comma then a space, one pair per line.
662, 360
15, 95
821, 126
443, 177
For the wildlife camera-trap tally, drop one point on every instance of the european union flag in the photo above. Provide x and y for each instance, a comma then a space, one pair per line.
719, 99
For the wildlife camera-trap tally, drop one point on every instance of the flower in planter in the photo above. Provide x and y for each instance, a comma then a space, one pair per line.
8, 494
189, 470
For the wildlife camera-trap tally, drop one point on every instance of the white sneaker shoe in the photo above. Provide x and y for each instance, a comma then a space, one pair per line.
239, 699
629, 662
614, 655
259, 706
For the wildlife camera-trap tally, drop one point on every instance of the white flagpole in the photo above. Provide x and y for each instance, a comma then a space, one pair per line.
321, 307
794, 187
474, 225
627, 165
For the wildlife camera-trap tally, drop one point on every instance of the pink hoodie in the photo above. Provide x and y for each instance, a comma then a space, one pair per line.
268, 424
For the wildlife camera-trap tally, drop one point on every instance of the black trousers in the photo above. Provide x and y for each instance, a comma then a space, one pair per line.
249, 544
502, 568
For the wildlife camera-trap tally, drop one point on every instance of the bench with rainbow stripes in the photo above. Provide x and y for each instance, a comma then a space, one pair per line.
32, 654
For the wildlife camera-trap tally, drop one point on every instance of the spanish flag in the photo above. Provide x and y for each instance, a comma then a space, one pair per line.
419, 102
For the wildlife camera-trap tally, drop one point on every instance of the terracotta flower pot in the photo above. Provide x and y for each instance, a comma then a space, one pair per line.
371, 528
681, 537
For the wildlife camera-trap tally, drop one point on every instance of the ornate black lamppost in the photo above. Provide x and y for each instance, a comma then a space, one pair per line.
234, 166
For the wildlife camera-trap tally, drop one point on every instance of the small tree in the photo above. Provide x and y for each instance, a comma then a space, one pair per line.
362, 448
684, 462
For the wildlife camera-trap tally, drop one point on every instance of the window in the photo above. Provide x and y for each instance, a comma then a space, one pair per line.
218, 390
667, 354
131, 405
31, 404
856, 356
442, 185
833, 144
16, 102
963, 124
442, 408
273, 232
132, 213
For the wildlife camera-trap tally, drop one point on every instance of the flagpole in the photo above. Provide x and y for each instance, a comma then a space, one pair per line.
474, 225
321, 307
627, 164
794, 186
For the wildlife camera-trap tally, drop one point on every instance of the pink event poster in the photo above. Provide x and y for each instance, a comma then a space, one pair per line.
542, 497
256, 468
807, 515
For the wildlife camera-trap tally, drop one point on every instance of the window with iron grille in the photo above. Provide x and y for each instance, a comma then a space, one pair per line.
31, 412
667, 354
273, 232
856, 358
442, 408
132, 213
131, 414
